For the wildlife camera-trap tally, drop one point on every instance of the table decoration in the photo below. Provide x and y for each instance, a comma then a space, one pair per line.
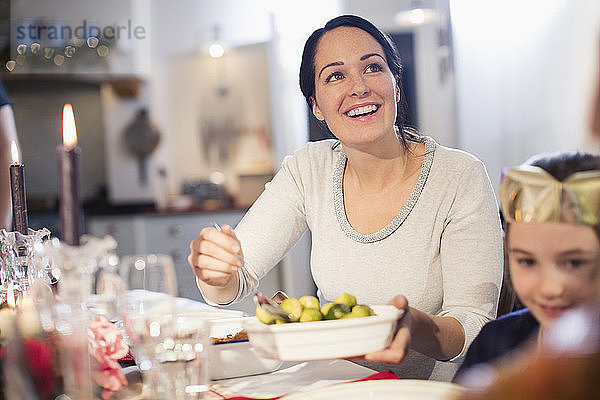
22, 262
17, 190
17, 247
77, 269
28, 356
69, 188
107, 347
33, 361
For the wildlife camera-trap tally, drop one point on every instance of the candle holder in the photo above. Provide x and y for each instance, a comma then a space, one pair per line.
77, 269
22, 261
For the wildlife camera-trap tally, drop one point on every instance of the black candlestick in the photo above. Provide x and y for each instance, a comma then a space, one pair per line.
19, 201
70, 207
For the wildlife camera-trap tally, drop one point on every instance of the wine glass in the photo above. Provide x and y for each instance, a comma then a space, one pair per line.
177, 346
149, 272
169, 347
150, 289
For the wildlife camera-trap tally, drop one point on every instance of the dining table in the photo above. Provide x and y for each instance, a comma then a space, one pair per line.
290, 379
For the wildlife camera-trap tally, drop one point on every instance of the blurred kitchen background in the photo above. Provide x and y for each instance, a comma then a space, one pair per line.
185, 109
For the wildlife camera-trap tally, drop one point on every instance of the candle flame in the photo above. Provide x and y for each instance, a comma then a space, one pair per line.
10, 296
69, 129
15, 152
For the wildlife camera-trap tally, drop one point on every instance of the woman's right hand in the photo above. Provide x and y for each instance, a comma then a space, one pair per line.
398, 349
215, 256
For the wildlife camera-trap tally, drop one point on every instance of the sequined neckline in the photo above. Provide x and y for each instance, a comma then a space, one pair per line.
338, 196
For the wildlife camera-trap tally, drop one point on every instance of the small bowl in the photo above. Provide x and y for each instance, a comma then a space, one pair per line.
324, 340
237, 358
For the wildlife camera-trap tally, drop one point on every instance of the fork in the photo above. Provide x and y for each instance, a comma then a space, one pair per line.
259, 299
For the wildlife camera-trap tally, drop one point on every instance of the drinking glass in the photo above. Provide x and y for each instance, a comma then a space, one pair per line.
150, 288
169, 347
150, 273
177, 344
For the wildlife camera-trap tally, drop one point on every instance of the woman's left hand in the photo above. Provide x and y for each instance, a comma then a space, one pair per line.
398, 349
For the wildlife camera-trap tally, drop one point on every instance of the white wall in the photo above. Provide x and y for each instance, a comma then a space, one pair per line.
526, 72
435, 94
181, 31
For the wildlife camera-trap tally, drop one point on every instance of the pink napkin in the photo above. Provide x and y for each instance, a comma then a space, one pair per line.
377, 376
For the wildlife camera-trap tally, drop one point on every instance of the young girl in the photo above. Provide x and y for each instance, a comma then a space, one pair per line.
551, 207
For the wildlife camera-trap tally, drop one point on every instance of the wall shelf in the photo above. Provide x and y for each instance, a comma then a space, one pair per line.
127, 86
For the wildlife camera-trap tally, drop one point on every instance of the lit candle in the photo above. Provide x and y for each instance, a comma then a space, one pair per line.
68, 163
17, 189
10, 296
28, 318
8, 314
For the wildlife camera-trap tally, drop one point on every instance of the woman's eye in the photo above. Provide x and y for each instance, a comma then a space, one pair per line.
336, 76
374, 68
526, 262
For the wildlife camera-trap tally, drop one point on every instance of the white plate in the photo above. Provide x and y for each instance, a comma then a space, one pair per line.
400, 389
232, 360
323, 340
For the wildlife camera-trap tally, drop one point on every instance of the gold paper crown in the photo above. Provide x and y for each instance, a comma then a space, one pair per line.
530, 194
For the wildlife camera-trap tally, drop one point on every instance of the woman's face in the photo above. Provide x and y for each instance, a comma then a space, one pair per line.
355, 91
553, 267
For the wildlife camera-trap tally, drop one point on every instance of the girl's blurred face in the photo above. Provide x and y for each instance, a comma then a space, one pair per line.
553, 267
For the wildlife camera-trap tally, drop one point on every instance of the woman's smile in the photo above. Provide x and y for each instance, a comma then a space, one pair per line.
363, 111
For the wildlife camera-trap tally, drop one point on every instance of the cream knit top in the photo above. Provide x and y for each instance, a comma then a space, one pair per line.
443, 250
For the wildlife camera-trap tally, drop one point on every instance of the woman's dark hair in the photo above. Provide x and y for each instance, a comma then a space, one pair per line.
307, 67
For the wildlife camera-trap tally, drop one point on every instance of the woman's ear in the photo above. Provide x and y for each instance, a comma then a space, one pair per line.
316, 111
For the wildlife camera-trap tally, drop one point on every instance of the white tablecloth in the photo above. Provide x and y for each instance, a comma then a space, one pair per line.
291, 378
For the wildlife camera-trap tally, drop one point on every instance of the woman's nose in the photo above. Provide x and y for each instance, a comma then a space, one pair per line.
359, 86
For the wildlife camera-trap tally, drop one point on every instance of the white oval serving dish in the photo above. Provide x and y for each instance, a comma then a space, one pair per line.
322, 340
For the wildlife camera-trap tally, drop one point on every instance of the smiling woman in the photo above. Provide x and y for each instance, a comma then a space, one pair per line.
393, 216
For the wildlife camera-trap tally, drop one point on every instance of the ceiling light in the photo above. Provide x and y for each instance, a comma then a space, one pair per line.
216, 50
417, 14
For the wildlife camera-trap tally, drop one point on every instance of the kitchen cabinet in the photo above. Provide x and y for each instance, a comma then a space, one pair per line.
171, 234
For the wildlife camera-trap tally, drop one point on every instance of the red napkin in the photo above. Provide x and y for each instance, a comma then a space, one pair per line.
377, 376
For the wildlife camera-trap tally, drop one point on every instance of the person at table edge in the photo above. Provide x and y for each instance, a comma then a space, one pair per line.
393, 216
